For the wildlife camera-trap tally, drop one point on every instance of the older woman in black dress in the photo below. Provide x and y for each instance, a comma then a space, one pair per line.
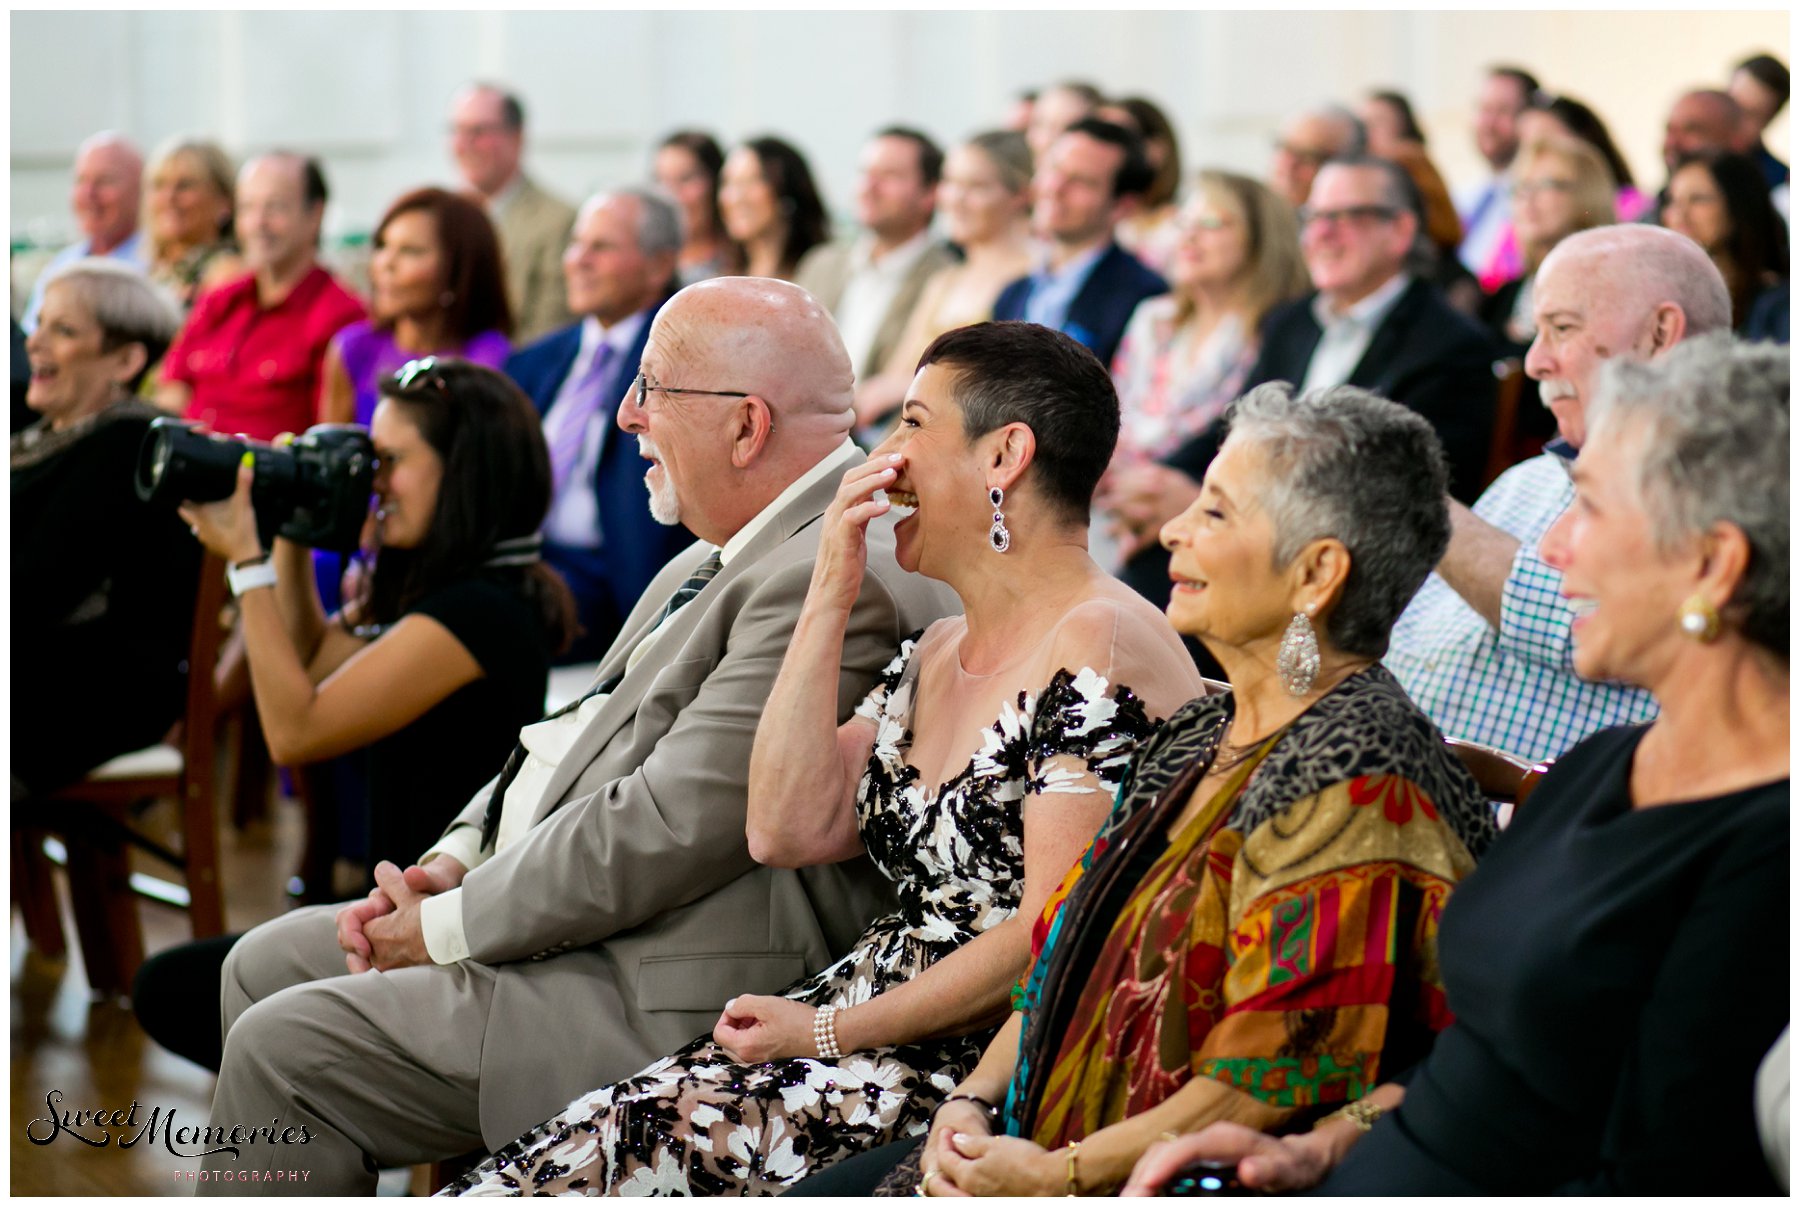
1619, 964
103, 584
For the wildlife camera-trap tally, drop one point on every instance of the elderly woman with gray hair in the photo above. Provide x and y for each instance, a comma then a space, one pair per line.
1619, 964
103, 585
1252, 934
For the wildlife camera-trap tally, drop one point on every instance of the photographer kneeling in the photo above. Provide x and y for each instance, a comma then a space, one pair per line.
435, 664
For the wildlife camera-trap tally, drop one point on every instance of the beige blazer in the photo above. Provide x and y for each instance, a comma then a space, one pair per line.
631, 910
534, 230
825, 271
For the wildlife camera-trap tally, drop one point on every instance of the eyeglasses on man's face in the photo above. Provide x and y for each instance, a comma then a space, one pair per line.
1350, 215
645, 385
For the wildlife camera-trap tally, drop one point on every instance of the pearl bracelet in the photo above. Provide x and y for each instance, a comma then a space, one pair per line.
825, 1033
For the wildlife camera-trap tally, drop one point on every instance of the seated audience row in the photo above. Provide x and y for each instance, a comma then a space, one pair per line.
1164, 992
973, 827
1575, 954
669, 838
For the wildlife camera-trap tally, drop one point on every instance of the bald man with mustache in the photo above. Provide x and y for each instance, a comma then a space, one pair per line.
596, 905
1485, 647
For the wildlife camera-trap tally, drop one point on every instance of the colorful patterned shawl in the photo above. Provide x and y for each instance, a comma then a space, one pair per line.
1284, 942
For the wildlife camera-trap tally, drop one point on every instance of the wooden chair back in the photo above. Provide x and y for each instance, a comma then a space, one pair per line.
95, 818
1502, 450
1506, 779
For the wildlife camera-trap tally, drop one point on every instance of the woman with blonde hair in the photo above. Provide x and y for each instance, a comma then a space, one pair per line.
1560, 186
187, 211
1186, 353
985, 197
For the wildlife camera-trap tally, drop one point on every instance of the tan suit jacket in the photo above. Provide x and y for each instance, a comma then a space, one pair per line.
534, 230
825, 271
615, 929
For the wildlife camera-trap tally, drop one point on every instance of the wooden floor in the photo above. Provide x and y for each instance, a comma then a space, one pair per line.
95, 1053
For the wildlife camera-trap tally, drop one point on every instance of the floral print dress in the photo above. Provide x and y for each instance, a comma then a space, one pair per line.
698, 1122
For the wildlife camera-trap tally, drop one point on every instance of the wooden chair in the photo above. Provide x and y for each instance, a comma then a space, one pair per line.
1506, 779
1502, 450
95, 818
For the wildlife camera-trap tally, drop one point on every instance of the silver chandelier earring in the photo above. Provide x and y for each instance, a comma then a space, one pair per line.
1298, 660
998, 537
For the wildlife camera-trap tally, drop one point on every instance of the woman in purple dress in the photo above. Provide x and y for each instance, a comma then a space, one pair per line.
436, 290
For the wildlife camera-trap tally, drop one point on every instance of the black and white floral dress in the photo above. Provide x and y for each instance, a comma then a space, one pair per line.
698, 1122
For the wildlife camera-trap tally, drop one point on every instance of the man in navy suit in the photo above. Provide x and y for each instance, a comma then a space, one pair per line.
599, 535
1094, 175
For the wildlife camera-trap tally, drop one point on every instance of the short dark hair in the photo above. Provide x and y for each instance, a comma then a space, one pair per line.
931, 156
473, 276
1135, 174
1771, 73
1402, 191
512, 113
1527, 82
496, 487
312, 182
1018, 372
313, 192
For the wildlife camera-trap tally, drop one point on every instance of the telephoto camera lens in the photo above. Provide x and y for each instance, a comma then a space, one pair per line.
314, 491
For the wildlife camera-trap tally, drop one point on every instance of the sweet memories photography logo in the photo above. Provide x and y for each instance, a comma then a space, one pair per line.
102, 1128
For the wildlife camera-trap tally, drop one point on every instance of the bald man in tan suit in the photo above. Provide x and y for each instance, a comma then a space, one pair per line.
597, 905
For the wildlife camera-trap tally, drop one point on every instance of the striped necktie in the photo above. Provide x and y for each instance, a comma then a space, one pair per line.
696, 582
583, 404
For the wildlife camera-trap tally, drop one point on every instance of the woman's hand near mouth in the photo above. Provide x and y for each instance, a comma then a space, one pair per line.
843, 543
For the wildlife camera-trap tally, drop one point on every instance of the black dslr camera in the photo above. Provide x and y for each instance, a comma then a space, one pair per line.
314, 491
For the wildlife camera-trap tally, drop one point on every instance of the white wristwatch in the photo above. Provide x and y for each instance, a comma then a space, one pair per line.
251, 574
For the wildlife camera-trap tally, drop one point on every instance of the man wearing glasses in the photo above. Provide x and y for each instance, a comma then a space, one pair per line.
1370, 323
589, 910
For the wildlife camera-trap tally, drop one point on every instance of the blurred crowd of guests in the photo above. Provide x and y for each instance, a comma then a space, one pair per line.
1326, 469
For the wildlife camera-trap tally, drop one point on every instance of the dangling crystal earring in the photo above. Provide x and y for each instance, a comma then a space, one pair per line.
1699, 619
998, 537
1298, 660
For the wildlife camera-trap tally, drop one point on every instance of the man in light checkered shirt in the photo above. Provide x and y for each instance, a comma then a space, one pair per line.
1484, 648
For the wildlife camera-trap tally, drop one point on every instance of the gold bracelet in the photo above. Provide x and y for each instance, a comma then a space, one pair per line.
1363, 1112
1072, 1188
